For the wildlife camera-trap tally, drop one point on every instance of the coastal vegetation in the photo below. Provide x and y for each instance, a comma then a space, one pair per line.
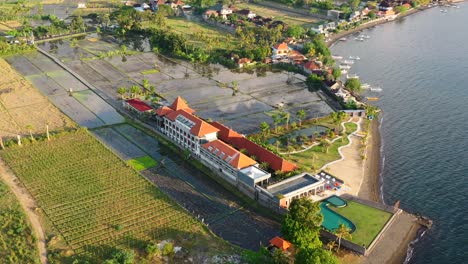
17, 241
95, 205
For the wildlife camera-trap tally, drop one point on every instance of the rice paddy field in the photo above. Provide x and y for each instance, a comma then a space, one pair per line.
95, 201
17, 242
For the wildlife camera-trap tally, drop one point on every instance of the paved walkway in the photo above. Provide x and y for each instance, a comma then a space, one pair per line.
29, 205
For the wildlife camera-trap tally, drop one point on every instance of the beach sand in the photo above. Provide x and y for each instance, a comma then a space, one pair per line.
370, 188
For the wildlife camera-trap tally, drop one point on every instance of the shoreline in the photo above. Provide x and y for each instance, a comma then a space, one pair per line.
334, 38
370, 188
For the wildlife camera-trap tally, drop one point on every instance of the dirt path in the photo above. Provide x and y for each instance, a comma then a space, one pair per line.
28, 204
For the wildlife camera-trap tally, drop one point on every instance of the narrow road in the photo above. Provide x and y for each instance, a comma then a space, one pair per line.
28, 204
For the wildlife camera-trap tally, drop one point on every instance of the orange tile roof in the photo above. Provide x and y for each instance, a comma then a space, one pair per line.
281, 46
232, 156
179, 103
200, 129
280, 243
311, 65
162, 111
240, 142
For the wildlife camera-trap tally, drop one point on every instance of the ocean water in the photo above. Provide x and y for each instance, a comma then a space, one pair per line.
421, 63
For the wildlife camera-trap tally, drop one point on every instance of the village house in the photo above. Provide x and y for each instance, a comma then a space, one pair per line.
280, 50
246, 13
243, 62
281, 244
312, 67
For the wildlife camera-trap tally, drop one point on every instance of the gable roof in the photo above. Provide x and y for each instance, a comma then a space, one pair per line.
311, 65
200, 127
281, 46
263, 155
162, 111
229, 154
139, 105
280, 243
179, 104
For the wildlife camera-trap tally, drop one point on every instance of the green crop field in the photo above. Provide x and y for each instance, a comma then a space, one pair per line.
95, 200
17, 242
142, 163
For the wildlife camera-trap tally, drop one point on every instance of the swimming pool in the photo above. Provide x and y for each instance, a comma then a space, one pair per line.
331, 219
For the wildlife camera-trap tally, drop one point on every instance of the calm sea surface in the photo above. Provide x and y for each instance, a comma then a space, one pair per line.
421, 63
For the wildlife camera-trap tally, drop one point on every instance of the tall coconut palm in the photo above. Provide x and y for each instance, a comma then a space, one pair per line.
285, 118
122, 91
331, 245
301, 114
325, 145
276, 120
264, 127
30, 128
342, 232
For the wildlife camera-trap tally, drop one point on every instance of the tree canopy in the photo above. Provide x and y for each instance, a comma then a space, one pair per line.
315, 256
353, 84
301, 226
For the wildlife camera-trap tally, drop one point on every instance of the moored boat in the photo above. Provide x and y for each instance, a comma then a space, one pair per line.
372, 98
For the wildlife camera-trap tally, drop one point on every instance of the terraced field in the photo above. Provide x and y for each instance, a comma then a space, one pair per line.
93, 198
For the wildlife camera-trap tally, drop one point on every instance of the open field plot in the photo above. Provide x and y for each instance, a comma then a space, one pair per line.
118, 143
140, 139
16, 237
99, 107
287, 17
87, 192
368, 221
21, 105
197, 31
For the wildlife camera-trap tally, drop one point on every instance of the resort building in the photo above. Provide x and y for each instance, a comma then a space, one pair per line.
302, 185
181, 126
219, 148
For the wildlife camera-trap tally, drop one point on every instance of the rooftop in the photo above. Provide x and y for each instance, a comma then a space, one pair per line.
280, 243
292, 184
139, 105
255, 173
229, 154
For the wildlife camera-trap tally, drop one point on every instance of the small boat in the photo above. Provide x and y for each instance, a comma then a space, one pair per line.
343, 39
367, 37
337, 57
376, 89
372, 98
354, 58
364, 85
360, 39
345, 67
344, 71
348, 62
352, 76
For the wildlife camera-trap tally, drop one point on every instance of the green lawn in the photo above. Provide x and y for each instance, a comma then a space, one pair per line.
96, 201
17, 242
368, 221
142, 163
350, 127
317, 156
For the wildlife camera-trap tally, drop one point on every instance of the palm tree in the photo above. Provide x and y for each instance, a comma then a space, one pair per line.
264, 165
264, 127
276, 121
342, 232
325, 145
30, 128
285, 117
122, 91
301, 114
145, 84
331, 245
135, 90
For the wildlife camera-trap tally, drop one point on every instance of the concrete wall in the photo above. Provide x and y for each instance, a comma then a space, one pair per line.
383, 207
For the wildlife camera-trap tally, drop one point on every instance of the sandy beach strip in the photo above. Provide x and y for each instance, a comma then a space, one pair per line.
370, 188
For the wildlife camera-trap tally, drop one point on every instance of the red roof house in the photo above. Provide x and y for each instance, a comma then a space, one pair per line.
280, 243
263, 155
